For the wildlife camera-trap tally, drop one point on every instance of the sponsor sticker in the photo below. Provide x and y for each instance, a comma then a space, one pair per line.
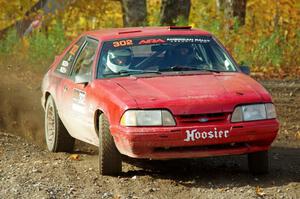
74, 49
65, 63
62, 69
151, 41
79, 102
70, 58
121, 43
180, 39
79, 96
187, 40
227, 64
192, 135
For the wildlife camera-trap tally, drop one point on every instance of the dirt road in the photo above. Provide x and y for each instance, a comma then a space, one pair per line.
27, 170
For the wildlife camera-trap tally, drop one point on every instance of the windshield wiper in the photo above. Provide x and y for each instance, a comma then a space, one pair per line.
150, 71
123, 72
133, 72
189, 68
182, 68
210, 70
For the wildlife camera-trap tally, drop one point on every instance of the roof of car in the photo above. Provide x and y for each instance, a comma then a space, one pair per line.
118, 33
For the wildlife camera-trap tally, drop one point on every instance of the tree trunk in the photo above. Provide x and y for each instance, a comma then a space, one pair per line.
46, 6
220, 5
134, 12
174, 12
236, 8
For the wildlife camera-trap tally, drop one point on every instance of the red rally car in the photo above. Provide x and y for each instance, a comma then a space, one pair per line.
156, 93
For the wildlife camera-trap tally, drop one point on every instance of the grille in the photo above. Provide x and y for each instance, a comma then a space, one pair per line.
202, 148
201, 118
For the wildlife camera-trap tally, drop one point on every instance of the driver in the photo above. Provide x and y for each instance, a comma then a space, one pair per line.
118, 59
183, 54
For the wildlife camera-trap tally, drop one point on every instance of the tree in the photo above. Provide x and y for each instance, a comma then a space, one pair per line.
23, 24
44, 6
220, 5
173, 12
235, 9
134, 12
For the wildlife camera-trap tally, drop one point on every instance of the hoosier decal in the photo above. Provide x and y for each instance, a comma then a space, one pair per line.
192, 135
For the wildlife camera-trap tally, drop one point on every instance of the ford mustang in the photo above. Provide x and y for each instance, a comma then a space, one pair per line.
156, 93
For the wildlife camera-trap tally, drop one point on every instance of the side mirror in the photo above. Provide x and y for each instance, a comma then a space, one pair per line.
245, 70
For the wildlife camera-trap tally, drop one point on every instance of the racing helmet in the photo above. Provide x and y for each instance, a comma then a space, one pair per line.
118, 59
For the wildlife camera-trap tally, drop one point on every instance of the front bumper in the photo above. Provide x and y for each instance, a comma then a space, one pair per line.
195, 141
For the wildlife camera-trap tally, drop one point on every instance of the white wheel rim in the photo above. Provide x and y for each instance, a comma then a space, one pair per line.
50, 127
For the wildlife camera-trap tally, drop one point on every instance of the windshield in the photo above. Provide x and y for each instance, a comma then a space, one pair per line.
162, 55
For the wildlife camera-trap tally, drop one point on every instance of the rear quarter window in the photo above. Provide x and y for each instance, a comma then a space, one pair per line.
67, 61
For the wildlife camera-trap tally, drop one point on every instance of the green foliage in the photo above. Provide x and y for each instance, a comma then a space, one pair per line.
269, 50
44, 45
9, 43
268, 39
214, 27
39, 48
57, 37
236, 25
181, 21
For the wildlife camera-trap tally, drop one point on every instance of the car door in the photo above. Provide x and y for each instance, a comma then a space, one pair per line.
62, 75
80, 118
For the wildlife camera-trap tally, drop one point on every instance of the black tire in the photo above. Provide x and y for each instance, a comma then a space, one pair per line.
110, 162
57, 137
258, 162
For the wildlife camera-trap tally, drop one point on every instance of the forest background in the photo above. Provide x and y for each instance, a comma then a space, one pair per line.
263, 34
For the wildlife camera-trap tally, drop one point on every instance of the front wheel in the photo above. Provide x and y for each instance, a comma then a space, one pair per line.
57, 137
110, 162
258, 162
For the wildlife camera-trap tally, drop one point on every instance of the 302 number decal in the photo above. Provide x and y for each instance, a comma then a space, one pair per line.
122, 43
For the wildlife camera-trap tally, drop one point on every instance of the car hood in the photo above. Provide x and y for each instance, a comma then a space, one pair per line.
194, 94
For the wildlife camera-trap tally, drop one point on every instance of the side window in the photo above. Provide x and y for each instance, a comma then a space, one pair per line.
65, 65
84, 63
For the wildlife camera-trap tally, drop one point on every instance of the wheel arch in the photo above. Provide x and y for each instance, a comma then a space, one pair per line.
46, 96
97, 114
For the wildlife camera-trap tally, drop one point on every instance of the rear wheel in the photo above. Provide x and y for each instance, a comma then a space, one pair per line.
57, 137
258, 162
110, 162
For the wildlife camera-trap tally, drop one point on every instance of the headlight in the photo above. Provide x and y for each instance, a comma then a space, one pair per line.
253, 112
147, 118
271, 112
